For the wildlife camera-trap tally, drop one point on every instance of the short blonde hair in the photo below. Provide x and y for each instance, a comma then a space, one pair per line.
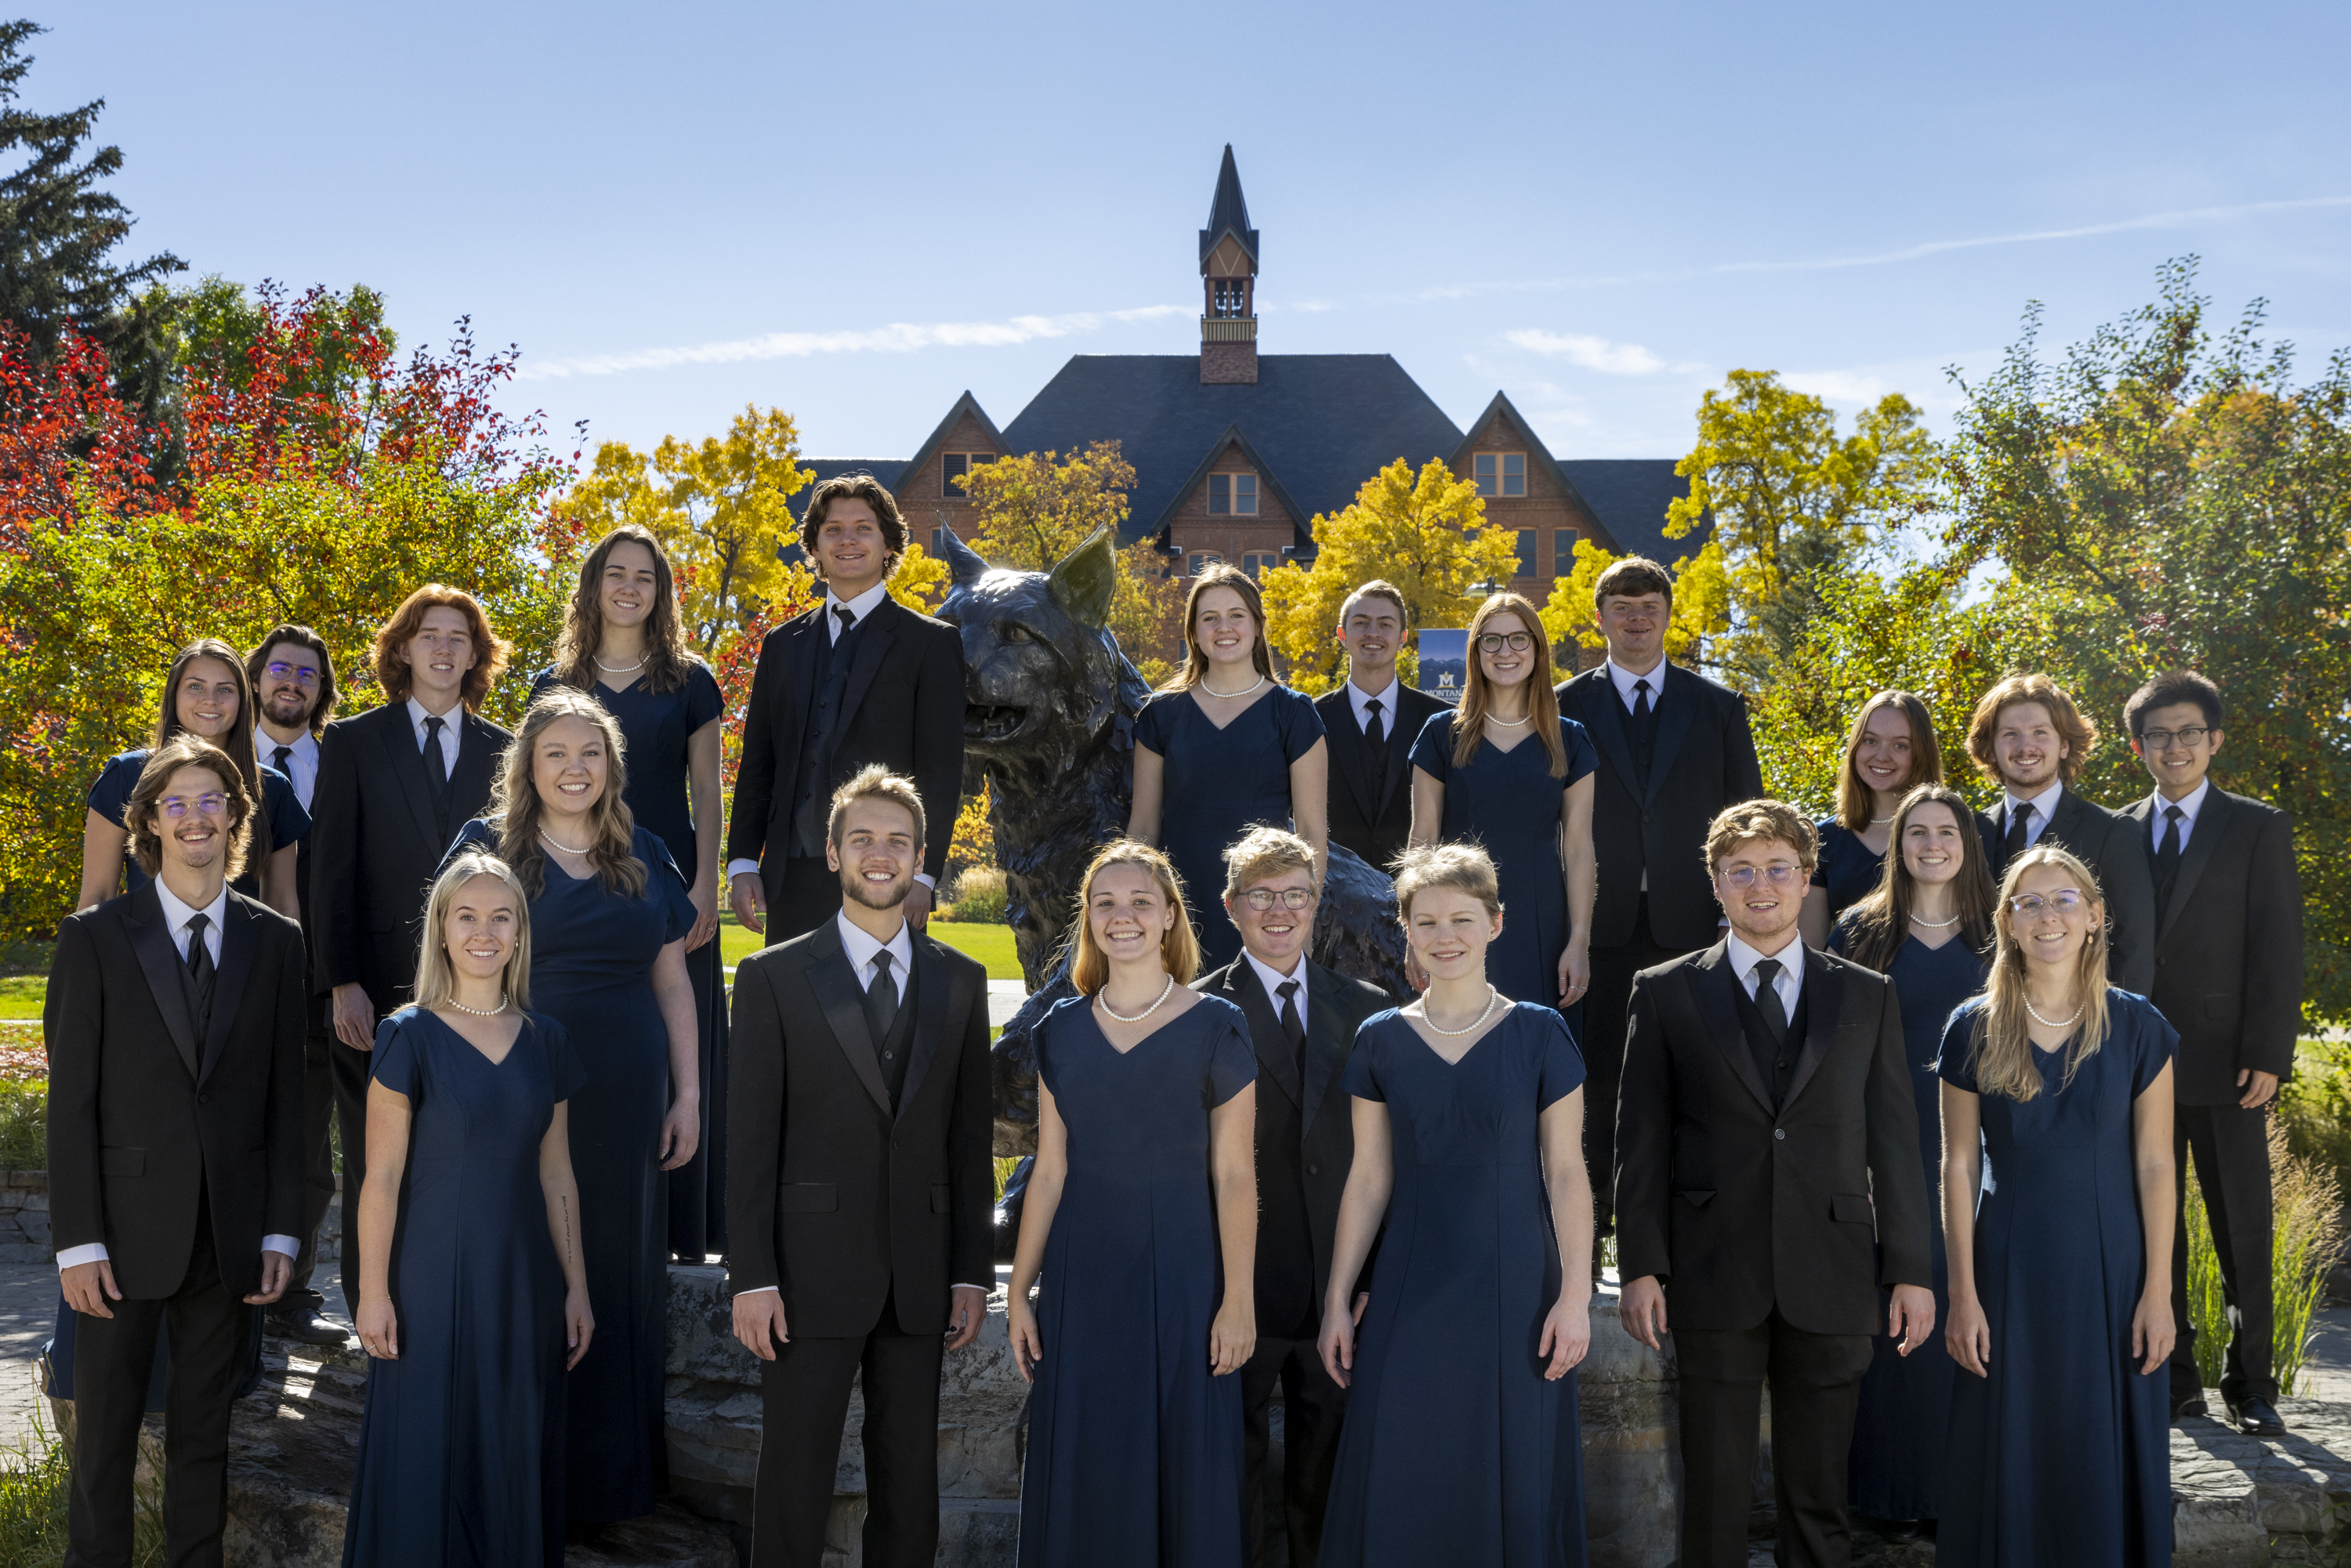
1465, 869
436, 975
1263, 853
1755, 822
875, 781
1179, 950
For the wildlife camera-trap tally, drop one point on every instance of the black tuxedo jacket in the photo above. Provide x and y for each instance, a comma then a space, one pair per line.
903, 709
374, 845
1375, 829
2228, 950
1336, 1007
1705, 761
2109, 843
1739, 1208
143, 1115
830, 1197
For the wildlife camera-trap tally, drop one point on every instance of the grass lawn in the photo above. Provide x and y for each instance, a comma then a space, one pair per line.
991, 945
20, 995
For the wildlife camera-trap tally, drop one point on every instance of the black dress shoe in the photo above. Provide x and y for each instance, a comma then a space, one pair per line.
2192, 1405
305, 1325
2255, 1419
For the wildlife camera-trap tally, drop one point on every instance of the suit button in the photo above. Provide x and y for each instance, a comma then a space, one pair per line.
1313, 1170
1780, 1132
203, 1099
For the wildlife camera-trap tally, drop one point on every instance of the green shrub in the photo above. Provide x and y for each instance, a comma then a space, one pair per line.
2306, 1239
978, 896
24, 1129
2314, 1108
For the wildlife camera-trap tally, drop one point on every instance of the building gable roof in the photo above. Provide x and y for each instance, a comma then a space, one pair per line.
1232, 436
1228, 213
1626, 496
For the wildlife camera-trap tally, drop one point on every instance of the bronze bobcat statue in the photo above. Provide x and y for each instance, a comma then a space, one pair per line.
1048, 722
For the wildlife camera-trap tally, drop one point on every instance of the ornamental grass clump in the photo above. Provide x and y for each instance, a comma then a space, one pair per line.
2305, 1241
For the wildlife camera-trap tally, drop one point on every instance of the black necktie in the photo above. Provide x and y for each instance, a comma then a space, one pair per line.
2014, 846
282, 760
436, 761
1292, 1024
1376, 739
200, 965
881, 1000
2166, 858
1767, 999
1640, 699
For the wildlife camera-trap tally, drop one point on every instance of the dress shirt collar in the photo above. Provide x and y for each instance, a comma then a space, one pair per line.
302, 767
859, 608
1744, 959
1624, 679
1273, 979
2189, 805
2044, 806
861, 946
1357, 696
177, 915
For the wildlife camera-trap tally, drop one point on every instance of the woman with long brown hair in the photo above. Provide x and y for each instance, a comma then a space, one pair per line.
609, 917
1223, 748
624, 644
1890, 750
1142, 1219
206, 693
1928, 927
1507, 770
2061, 1281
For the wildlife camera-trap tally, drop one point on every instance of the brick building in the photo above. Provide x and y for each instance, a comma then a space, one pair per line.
1235, 451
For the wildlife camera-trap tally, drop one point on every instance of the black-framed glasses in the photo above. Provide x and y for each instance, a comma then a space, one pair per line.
1516, 641
2162, 740
1779, 873
211, 803
2064, 901
301, 675
1262, 898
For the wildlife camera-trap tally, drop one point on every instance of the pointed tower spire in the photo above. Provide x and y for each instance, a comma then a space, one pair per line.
1229, 276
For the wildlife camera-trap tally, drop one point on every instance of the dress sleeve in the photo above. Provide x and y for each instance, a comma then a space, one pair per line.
288, 823
1956, 1064
393, 1062
1362, 1078
109, 794
1582, 757
1301, 723
1059, 1020
1432, 749
703, 701
1232, 1065
540, 685
665, 884
1841, 936
564, 1073
2155, 1045
1157, 718
1559, 1065
474, 835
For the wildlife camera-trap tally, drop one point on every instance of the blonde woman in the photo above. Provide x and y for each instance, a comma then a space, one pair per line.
1142, 1219
609, 917
2061, 1286
473, 1286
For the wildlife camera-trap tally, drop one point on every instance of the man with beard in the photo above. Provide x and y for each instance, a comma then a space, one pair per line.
860, 1195
293, 680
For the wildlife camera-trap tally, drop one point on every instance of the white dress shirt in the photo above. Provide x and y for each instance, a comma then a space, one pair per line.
1789, 983
1274, 979
176, 916
1359, 699
2042, 805
301, 767
451, 722
1624, 680
2189, 806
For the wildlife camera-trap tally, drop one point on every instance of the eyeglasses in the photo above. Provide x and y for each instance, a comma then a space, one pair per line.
1780, 873
2162, 740
211, 804
1262, 898
300, 674
2064, 901
1516, 641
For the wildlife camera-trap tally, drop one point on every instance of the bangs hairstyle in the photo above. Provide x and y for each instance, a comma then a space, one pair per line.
436, 972
1754, 821
1856, 802
1263, 853
2075, 728
1478, 696
516, 808
490, 650
861, 487
184, 750
1179, 950
256, 664
2169, 689
870, 782
236, 744
1877, 926
2000, 1044
1223, 574
1632, 577
666, 657
1465, 869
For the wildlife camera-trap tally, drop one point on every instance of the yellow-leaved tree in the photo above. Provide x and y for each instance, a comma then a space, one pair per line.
1426, 533
1701, 604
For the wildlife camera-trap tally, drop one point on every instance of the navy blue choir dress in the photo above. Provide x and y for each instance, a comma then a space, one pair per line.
654, 730
1896, 1468
1508, 801
1219, 783
460, 1447
1455, 1448
2062, 1455
1134, 1451
1848, 873
110, 796
591, 960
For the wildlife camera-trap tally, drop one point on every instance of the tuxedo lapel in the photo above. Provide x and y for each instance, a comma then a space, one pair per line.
2212, 825
159, 961
872, 645
240, 938
1825, 995
1326, 1037
1673, 724
933, 1007
1604, 715
1266, 1036
405, 758
1718, 1007
835, 986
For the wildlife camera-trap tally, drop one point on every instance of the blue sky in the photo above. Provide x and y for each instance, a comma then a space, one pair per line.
855, 211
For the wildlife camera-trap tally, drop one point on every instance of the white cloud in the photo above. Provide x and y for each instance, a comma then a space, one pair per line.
1597, 353
898, 338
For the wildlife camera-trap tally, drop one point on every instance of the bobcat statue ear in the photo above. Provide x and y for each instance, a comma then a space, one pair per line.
965, 565
1084, 580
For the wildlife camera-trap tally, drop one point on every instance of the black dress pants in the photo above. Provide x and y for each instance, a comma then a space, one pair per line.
1816, 1387
1312, 1407
319, 1161
804, 1395
2231, 1151
113, 1358
1605, 1008
806, 896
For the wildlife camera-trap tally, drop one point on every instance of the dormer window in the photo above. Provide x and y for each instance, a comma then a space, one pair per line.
1502, 474
1232, 495
1228, 298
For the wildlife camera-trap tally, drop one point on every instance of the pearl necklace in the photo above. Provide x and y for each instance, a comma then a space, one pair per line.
481, 1012
2053, 1023
622, 669
1213, 692
1492, 996
560, 844
1511, 723
1934, 924
1103, 1002
1881, 821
